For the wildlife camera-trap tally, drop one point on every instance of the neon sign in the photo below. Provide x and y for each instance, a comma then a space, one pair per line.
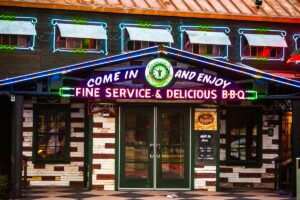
159, 75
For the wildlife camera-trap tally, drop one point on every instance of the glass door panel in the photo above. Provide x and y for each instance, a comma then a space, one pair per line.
137, 135
171, 147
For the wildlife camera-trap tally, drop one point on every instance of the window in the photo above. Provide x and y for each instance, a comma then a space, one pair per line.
89, 37
208, 50
212, 43
244, 127
51, 133
15, 40
77, 43
136, 45
257, 45
137, 36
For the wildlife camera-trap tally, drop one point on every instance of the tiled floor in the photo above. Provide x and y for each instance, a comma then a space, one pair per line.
65, 194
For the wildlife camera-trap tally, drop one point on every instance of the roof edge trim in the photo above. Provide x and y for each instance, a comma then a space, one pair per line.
152, 12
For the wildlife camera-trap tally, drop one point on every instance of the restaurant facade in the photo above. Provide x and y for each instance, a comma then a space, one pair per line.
105, 100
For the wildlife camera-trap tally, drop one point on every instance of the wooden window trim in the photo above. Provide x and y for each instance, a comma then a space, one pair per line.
66, 159
258, 117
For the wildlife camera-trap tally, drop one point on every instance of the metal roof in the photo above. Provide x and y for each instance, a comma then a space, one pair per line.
206, 37
271, 10
265, 40
149, 34
11, 27
82, 31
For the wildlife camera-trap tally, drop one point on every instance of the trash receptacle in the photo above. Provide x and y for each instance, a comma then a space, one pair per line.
298, 178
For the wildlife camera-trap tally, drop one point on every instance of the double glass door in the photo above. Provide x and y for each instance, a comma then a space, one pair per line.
154, 147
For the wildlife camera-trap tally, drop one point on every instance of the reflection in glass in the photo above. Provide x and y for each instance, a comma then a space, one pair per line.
172, 146
136, 145
51, 134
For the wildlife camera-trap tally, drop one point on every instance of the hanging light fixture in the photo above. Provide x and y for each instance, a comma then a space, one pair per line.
258, 3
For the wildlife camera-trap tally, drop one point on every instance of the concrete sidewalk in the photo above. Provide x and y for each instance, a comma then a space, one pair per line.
66, 193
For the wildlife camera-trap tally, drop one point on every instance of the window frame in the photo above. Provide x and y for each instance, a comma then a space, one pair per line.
187, 46
296, 38
125, 37
244, 45
36, 109
30, 38
258, 116
101, 44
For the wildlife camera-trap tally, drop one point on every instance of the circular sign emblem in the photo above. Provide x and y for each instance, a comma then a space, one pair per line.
159, 72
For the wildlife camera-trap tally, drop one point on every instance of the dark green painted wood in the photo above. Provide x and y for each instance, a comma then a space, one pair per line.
17, 139
295, 142
88, 149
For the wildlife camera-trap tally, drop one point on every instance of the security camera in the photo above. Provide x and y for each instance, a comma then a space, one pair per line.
258, 3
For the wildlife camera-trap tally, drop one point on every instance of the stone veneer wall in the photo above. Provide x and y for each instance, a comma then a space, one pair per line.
263, 177
56, 174
103, 177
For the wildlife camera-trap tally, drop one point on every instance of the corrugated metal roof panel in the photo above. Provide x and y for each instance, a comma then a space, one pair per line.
265, 40
82, 31
10, 27
205, 37
149, 35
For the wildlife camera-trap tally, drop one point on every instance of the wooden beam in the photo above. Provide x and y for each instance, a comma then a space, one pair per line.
138, 11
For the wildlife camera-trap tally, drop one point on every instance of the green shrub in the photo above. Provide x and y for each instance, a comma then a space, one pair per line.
3, 186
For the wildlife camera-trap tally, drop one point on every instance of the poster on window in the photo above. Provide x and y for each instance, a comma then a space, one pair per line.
205, 120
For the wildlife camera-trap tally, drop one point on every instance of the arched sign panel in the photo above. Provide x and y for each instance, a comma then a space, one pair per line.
159, 76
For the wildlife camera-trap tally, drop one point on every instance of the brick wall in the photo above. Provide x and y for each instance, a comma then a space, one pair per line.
262, 177
103, 153
205, 178
56, 174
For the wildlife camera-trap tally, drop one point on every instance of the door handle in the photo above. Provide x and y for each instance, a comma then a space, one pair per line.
158, 151
151, 146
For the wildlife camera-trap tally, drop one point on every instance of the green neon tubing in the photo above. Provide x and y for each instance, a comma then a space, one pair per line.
62, 89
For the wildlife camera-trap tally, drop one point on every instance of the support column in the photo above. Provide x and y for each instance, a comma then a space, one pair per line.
295, 141
17, 121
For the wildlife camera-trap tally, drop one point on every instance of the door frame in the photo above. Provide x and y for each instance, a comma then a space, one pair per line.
118, 148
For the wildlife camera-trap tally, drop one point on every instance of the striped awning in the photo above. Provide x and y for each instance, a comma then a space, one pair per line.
82, 31
149, 34
265, 40
10, 27
206, 37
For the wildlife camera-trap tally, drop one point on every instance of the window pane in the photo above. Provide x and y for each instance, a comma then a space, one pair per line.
253, 51
196, 48
137, 45
62, 42
22, 41
78, 43
14, 40
5, 39
85, 43
209, 49
243, 134
144, 45
151, 44
92, 44
130, 46
70, 43
51, 133
273, 53
202, 49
